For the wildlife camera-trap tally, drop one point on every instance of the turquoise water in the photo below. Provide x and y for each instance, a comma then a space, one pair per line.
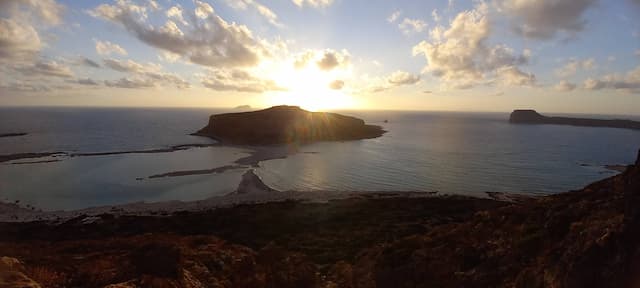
453, 153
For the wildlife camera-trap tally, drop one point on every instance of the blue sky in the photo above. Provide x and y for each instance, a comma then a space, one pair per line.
551, 55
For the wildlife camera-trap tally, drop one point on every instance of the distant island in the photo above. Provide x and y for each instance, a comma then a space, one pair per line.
243, 107
286, 124
533, 117
12, 134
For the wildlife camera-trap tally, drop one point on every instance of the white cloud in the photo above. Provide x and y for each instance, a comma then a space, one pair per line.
144, 75
19, 24
208, 40
573, 65
237, 80
313, 3
435, 15
394, 16
46, 68
565, 86
409, 26
398, 78
395, 79
629, 82
263, 10
544, 19
175, 12
460, 56
325, 60
107, 48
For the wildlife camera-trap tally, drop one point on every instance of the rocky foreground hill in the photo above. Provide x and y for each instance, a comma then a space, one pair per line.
584, 238
286, 124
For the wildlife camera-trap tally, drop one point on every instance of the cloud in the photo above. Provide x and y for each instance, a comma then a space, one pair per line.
107, 48
394, 16
629, 82
19, 22
267, 13
409, 26
18, 41
85, 81
460, 56
175, 12
145, 75
237, 80
565, 86
208, 40
398, 78
313, 3
332, 59
513, 76
544, 19
336, 85
572, 66
46, 68
131, 66
25, 86
84, 61
131, 83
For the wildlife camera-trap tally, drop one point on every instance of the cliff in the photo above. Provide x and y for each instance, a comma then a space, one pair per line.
533, 117
286, 124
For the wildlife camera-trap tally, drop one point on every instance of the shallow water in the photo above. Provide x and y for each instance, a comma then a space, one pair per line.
453, 153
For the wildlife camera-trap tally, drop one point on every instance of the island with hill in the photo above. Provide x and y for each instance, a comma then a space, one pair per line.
533, 117
284, 125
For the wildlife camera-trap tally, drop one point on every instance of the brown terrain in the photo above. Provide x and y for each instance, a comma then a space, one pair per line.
584, 238
286, 124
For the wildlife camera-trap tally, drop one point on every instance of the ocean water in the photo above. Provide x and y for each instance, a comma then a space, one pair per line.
452, 153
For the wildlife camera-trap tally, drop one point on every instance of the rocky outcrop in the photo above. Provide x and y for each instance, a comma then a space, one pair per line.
533, 117
12, 274
286, 124
2, 135
251, 184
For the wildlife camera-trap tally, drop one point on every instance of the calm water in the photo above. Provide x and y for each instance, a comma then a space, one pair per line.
453, 153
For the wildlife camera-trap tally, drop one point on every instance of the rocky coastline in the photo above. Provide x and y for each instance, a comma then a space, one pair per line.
584, 238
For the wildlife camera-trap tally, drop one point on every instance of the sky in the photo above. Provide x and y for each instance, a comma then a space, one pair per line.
562, 56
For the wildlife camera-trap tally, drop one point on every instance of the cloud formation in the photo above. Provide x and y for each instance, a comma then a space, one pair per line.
108, 48
565, 86
263, 10
313, 3
336, 85
630, 82
460, 56
144, 75
544, 19
398, 78
46, 68
19, 22
237, 80
409, 26
207, 40
573, 65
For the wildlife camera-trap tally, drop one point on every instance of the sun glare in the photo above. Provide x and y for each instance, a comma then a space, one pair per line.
310, 89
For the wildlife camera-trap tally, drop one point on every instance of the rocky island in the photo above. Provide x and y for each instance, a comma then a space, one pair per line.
533, 117
286, 124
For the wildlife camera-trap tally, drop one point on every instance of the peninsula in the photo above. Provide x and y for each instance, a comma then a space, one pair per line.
286, 124
533, 117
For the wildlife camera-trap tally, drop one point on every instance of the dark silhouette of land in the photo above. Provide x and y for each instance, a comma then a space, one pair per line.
584, 238
533, 117
13, 134
286, 124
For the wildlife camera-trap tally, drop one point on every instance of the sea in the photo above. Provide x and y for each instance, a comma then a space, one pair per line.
444, 152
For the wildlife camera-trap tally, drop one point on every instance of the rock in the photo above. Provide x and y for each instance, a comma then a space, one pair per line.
533, 117
286, 124
12, 274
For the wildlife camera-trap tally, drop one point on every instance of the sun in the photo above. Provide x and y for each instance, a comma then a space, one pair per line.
309, 88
